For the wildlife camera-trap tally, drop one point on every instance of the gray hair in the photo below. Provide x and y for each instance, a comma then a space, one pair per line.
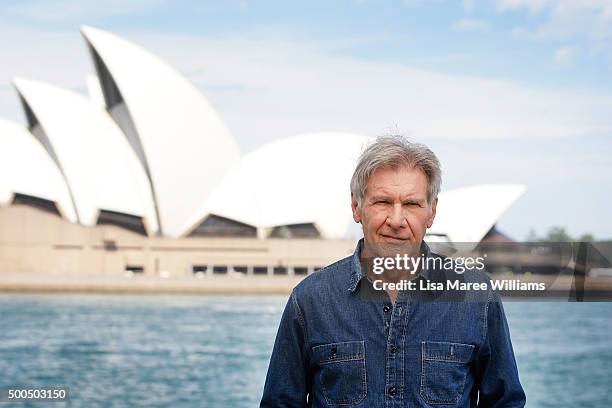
393, 152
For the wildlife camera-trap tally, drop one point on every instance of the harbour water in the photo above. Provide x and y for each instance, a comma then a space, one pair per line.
207, 351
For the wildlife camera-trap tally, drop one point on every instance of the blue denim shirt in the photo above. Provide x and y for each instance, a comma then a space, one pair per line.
341, 343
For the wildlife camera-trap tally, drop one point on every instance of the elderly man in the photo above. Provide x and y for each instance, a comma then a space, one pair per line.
344, 342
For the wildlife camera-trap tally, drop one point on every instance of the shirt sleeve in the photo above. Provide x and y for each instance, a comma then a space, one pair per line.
288, 382
496, 368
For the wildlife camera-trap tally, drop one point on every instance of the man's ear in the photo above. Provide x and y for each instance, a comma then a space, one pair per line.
356, 209
432, 216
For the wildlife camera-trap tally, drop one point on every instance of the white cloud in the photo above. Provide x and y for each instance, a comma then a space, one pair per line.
267, 89
564, 19
468, 5
273, 88
564, 55
48, 56
469, 24
76, 10
531, 5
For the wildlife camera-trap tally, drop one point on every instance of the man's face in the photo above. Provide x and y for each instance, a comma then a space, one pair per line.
395, 213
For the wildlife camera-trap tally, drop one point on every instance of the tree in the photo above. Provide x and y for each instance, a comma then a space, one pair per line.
557, 234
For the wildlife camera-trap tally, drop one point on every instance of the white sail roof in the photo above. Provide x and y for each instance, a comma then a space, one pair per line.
305, 179
301, 179
102, 171
179, 137
466, 214
26, 168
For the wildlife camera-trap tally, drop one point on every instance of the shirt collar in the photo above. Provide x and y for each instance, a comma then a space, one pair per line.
357, 272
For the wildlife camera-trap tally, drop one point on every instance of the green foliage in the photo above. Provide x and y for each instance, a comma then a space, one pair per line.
558, 234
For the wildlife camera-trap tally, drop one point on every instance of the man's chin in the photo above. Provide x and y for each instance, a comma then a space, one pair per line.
391, 248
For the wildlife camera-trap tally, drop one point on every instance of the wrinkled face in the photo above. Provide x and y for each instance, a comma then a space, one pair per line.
395, 213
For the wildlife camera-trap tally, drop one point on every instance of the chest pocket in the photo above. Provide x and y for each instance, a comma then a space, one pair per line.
342, 372
444, 369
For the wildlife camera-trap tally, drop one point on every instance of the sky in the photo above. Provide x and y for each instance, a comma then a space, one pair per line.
504, 91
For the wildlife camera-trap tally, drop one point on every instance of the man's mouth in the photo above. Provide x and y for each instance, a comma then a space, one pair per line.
394, 239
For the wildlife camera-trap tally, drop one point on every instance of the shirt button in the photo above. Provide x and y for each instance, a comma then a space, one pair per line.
333, 351
393, 349
392, 391
386, 308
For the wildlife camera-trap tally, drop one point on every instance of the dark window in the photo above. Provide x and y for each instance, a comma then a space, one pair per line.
134, 268
300, 270
241, 269
127, 221
279, 270
220, 269
260, 270
216, 226
199, 268
36, 202
307, 230
110, 245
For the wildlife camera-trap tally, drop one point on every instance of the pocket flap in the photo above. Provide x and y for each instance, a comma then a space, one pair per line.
345, 351
443, 351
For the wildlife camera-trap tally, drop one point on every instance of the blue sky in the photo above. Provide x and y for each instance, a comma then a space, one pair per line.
541, 42
515, 91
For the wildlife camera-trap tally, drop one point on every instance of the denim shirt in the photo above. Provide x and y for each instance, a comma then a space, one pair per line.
341, 343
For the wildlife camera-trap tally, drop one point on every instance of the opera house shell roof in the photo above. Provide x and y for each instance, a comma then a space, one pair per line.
28, 171
100, 168
181, 141
151, 154
466, 214
294, 181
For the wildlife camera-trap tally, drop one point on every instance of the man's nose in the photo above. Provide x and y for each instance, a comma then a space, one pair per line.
396, 218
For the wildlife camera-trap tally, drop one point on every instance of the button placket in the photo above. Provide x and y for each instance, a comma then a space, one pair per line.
386, 317
394, 368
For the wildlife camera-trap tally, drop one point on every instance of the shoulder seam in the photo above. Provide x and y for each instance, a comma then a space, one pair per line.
300, 316
486, 316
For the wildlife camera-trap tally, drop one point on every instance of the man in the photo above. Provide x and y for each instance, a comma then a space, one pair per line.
341, 342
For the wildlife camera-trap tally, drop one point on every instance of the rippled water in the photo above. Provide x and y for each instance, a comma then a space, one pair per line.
204, 351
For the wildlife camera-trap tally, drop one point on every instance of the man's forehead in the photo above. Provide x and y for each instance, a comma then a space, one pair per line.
391, 181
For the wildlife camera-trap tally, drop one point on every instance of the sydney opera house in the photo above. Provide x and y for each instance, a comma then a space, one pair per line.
142, 175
